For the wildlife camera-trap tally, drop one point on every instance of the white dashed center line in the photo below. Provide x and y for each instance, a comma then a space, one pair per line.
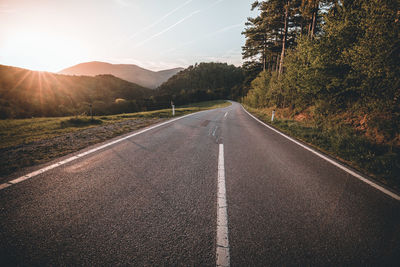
223, 258
216, 127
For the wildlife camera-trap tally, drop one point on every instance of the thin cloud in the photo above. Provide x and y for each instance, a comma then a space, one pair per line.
222, 30
168, 28
164, 17
161, 19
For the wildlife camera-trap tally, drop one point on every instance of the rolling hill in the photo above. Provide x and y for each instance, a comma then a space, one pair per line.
204, 81
25, 93
128, 72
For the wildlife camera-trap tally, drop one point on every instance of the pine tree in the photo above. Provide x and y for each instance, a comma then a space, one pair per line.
272, 32
255, 46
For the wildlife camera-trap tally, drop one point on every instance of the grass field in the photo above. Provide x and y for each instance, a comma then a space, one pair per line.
26, 142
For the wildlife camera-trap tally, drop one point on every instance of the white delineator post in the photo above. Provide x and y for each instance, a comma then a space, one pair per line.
273, 115
173, 108
223, 258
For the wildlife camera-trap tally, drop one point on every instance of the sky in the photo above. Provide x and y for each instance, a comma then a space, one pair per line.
50, 35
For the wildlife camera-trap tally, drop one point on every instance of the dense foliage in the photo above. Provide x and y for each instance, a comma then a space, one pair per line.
352, 65
276, 29
204, 81
343, 77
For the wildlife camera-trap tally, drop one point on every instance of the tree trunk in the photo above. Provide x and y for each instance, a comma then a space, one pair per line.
277, 63
301, 28
264, 61
264, 54
270, 63
314, 21
285, 29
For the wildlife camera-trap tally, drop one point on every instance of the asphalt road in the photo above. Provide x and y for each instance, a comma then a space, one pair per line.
152, 200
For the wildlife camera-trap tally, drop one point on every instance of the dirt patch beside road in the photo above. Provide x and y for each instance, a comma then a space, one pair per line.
15, 158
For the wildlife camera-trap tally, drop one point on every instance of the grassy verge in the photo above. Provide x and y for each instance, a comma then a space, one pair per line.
22, 131
380, 161
27, 142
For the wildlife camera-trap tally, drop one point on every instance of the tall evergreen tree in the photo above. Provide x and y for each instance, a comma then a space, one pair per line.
272, 32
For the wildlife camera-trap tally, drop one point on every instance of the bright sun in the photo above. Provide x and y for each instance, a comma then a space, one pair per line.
39, 50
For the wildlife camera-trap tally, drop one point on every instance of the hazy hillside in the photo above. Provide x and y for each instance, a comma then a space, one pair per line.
26, 93
131, 73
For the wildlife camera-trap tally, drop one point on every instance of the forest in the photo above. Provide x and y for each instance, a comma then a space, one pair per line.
333, 56
334, 66
202, 82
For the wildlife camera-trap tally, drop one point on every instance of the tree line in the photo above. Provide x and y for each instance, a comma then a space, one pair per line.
330, 57
276, 29
202, 82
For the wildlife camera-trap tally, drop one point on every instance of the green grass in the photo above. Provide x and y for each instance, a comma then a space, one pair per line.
344, 143
19, 131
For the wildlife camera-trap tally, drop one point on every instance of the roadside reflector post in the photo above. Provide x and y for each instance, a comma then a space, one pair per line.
273, 115
91, 112
173, 108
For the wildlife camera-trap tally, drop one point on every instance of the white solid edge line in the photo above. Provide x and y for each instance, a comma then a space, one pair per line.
365, 180
222, 250
62, 162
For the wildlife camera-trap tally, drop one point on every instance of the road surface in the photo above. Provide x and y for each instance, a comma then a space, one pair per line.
176, 194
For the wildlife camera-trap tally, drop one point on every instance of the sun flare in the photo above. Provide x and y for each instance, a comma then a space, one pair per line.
44, 51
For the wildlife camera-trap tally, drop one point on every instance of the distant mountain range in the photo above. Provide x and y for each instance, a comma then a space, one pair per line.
128, 72
25, 93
